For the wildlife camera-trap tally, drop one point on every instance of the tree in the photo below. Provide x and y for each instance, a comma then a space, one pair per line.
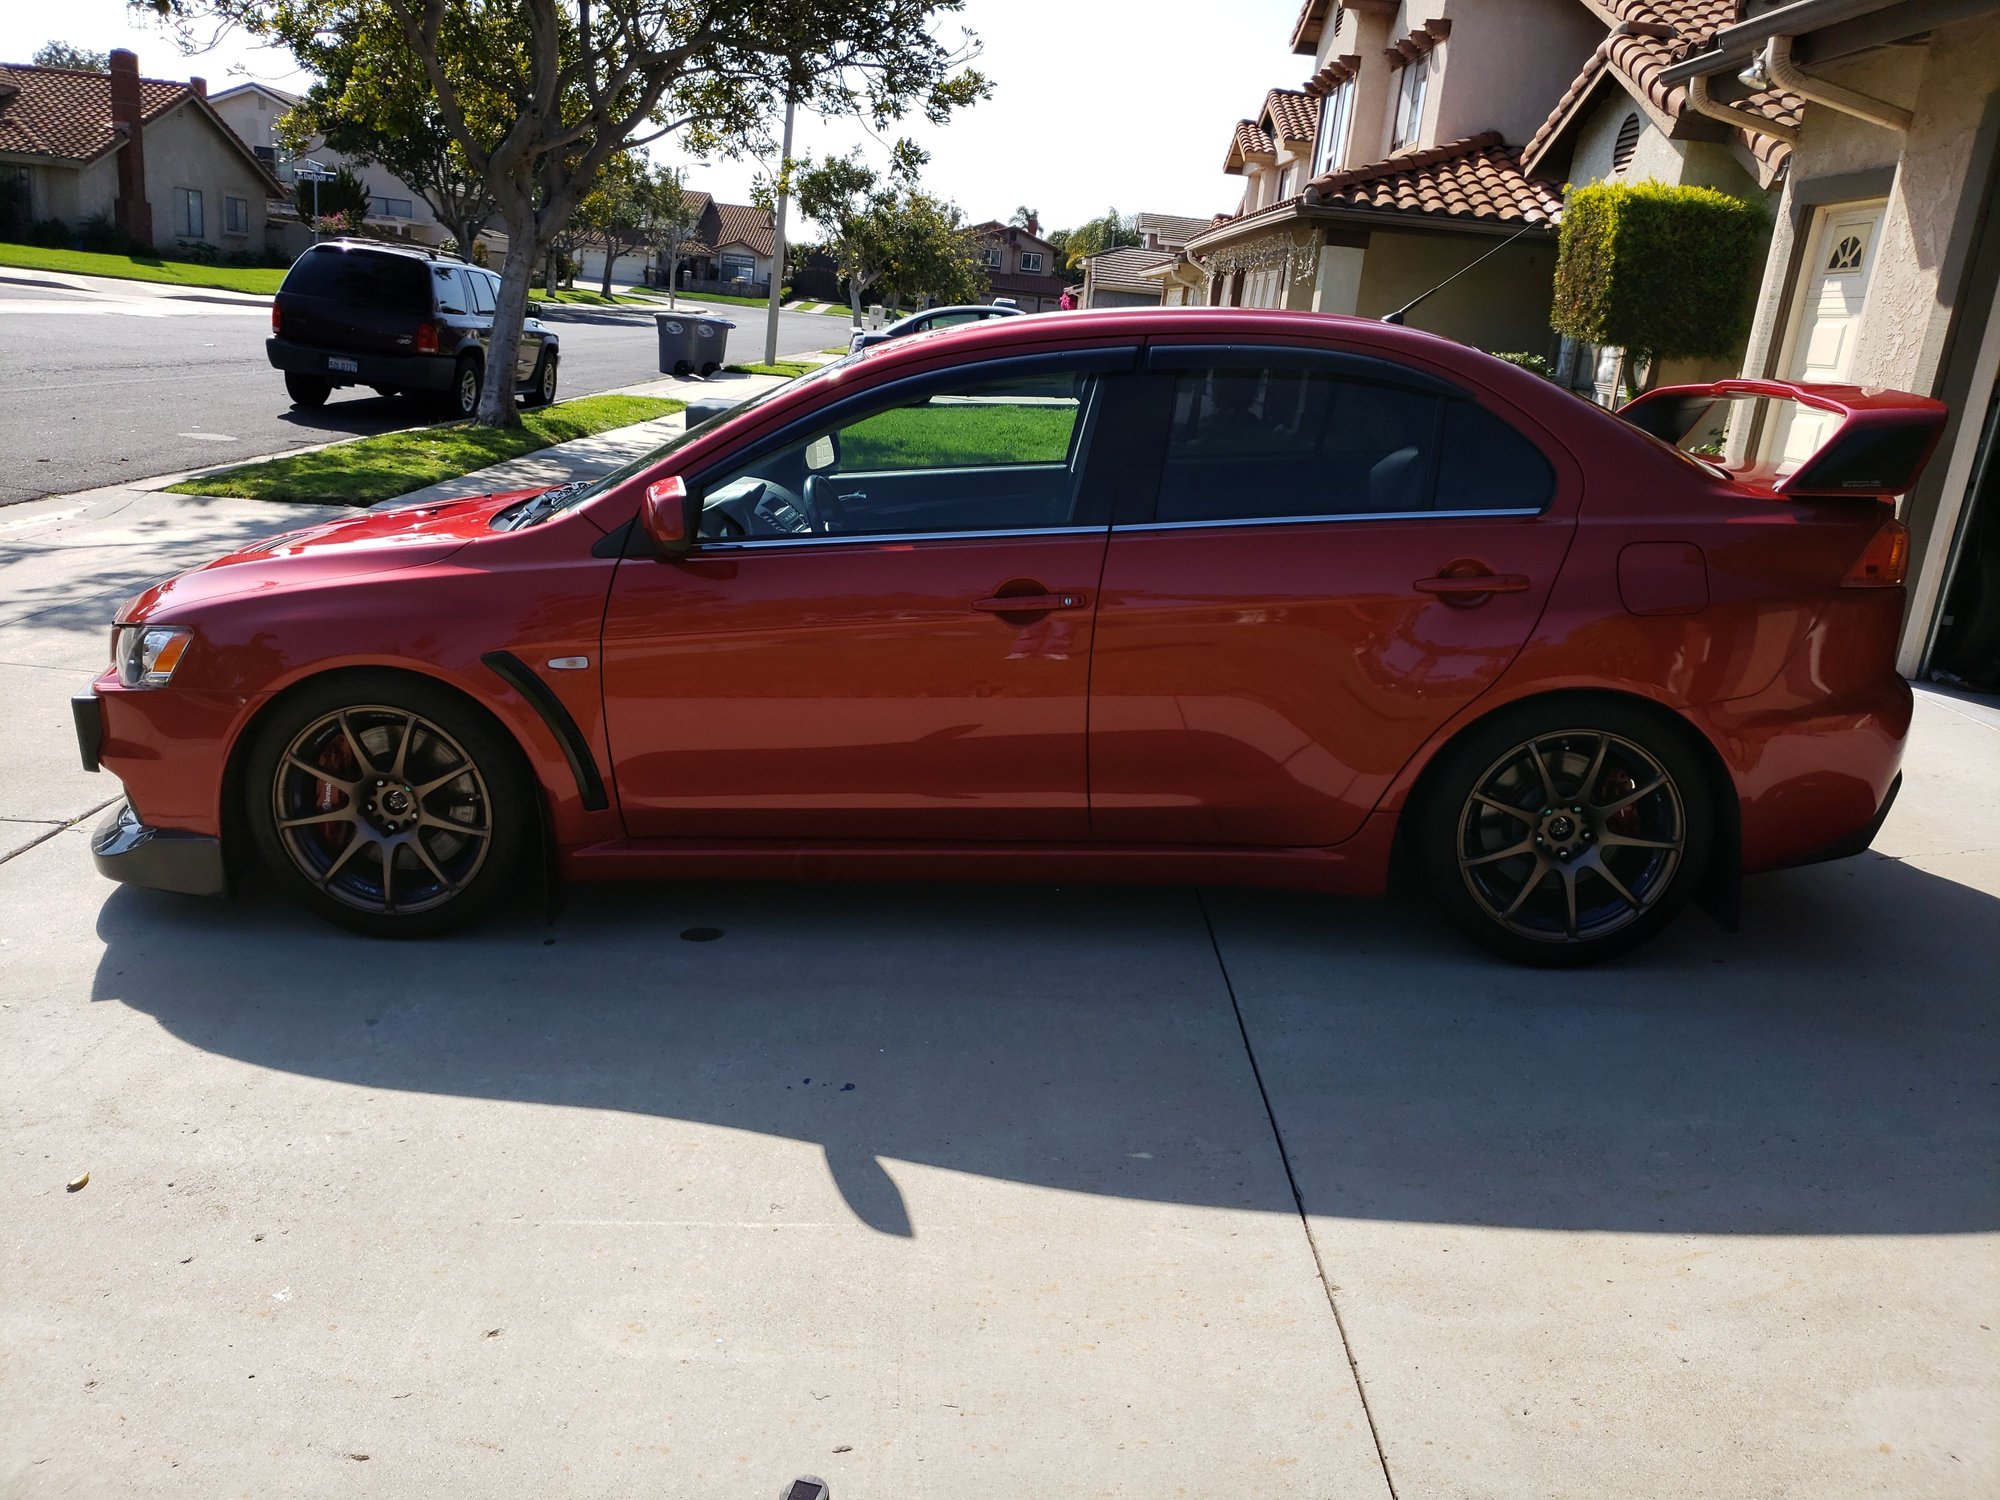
884, 232
1027, 218
618, 216
1111, 230
673, 225
333, 205
386, 118
931, 253
1660, 271
541, 94
63, 55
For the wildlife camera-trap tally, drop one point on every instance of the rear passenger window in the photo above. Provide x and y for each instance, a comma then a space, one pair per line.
1249, 444
452, 296
1279, 443
1483, 464
483, 287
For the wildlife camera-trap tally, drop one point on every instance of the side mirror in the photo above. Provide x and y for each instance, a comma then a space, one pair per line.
536, 309
664, 514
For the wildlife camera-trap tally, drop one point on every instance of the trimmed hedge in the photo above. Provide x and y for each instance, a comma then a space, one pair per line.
1660, 270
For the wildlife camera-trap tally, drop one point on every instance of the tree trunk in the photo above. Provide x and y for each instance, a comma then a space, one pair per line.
496, 398
611, 248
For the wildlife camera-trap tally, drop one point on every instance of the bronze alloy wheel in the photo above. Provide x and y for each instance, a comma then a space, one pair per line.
382, 810
1571, 836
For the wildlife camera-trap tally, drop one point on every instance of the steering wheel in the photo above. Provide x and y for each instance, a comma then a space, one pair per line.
823, 505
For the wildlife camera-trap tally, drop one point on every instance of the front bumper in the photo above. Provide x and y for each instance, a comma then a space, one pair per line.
161, 859
412, 372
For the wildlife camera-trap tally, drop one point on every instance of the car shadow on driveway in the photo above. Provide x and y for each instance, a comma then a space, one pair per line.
1828, 1071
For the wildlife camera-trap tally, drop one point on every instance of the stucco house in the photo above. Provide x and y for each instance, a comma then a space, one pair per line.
1398, 165
395, 209
148, 155
1149, 274
729, 249
1884, 262
1020, 263
1620, 121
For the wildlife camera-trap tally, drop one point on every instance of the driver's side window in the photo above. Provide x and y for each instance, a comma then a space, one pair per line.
996, 455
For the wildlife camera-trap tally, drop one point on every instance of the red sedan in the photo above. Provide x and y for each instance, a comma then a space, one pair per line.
1174, 595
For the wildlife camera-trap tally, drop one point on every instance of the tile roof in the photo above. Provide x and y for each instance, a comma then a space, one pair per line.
65, 113
1249, 140
740, 224
1477, 177
1119, 270
1311, 25
1683, 27
1171, 228
1294, 115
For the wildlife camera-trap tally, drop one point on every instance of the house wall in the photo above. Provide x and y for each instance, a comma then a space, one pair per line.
184, 149
1504, 65
1658, 157
1501, 307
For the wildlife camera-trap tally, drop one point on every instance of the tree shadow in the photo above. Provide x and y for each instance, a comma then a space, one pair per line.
1082, 1039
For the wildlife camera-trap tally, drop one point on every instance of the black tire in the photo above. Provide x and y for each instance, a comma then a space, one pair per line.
430, 808
542, 391
462, 400
307, 390
1595, 870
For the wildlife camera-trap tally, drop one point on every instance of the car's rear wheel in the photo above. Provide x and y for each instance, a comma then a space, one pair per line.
307, 390
463, 399
1563, 833
544, 391
388, 805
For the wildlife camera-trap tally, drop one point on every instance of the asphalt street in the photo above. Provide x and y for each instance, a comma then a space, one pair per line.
984, 1190
106, 382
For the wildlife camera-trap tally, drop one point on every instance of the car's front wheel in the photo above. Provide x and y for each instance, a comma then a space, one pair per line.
388, 805
1562, 833
307, 390
544, 392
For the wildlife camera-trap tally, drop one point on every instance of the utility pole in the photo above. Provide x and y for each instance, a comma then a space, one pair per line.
778, 240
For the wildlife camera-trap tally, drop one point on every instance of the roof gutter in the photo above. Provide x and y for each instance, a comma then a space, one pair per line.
1703, 102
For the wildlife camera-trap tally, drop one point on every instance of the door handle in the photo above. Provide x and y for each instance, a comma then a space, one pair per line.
1028, 604
1461, 584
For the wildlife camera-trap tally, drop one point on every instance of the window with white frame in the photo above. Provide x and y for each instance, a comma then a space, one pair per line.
392, 208
1411, 89
1031, 261
235, 215
992, 257
187, 213
1336, 118
739, 268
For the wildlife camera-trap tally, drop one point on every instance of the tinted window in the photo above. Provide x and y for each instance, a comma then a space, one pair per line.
1483, 464
484, 288
361, 276
984, 456
1248, 444
453, 296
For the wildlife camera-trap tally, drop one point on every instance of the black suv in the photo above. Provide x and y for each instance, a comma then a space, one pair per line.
402, 321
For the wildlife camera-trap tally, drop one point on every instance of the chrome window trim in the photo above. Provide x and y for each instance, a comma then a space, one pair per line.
702, 549
1374, 515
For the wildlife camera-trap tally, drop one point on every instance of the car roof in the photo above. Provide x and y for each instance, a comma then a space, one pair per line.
376, 247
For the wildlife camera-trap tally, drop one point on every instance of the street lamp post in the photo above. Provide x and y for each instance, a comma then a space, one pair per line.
778, 240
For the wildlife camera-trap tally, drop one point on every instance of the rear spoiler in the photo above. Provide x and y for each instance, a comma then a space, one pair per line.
1878, 449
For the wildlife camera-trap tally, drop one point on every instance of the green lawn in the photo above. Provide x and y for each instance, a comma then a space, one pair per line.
958, 435
700, 299
380, 468
594, 299
262, 280
786, 367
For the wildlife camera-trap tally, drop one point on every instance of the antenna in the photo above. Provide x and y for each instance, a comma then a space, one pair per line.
1397, 316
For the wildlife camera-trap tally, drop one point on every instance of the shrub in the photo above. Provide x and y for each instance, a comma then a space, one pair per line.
1662, 271
1534, 364
100, 234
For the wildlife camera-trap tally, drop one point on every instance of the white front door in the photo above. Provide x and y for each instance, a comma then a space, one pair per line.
1833, 289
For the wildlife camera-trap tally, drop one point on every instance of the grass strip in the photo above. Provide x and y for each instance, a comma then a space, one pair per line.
785, 367
380, 468
594, 299
262, 280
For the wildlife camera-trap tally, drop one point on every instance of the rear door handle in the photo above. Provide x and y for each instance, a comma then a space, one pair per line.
1473, 583
1028, 604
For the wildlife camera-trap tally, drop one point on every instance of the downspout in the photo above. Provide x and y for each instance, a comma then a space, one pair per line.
1702, 102
1775, 63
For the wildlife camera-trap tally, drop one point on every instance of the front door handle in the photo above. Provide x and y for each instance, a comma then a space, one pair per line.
1458, 585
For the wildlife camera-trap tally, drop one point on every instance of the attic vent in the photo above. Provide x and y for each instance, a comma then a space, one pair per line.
1628, 144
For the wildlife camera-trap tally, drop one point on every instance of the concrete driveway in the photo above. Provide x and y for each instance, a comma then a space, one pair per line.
983, 1191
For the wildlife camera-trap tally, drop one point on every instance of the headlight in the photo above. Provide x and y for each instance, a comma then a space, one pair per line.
146, 655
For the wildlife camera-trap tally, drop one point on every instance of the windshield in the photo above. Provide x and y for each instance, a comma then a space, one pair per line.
567, 496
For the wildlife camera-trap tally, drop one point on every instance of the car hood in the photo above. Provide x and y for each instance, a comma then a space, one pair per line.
371, 541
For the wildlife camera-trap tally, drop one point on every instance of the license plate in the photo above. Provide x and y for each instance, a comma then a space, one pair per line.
347, 366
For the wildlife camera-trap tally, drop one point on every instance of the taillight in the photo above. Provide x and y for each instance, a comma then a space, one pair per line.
427, 338
277, 323
1884, 561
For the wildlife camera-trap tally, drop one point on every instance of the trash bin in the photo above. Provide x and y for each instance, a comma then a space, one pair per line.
691, 344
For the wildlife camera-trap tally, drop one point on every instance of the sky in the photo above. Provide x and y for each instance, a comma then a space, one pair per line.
1096, 104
